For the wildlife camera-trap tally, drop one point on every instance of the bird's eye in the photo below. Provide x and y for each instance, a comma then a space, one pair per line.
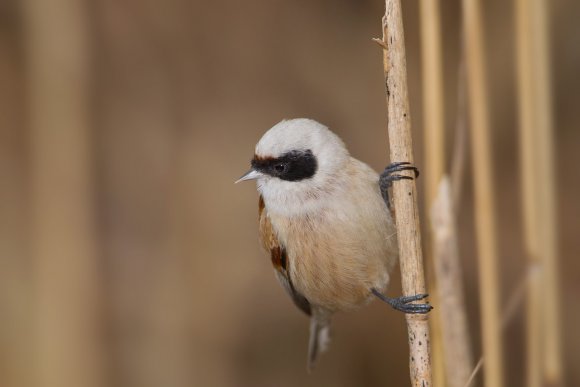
279, 168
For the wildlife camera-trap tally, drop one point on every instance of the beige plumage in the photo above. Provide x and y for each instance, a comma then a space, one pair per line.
339, 252
323, 221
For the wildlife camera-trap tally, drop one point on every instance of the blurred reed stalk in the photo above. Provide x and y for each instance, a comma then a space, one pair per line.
433, 96
63, 247
512, 306
460, 137
454, 324
544, 361
434, 139
485, 219
404, 191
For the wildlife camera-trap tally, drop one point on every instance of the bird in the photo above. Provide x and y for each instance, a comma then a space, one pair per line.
325, 220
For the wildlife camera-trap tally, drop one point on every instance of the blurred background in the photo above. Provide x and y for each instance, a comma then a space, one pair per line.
127, 255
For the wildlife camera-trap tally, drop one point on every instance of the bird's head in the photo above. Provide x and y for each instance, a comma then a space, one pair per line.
298, 158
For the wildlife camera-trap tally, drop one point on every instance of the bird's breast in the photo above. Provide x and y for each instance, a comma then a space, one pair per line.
336, 256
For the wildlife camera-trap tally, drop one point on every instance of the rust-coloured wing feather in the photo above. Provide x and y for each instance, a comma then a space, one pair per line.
279, 257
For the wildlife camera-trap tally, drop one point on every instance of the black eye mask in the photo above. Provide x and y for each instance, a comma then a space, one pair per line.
292, 166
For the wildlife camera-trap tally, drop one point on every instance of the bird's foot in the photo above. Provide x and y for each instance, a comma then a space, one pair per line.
404, 303
390, 175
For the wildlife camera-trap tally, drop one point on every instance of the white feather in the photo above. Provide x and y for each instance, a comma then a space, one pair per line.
294, 198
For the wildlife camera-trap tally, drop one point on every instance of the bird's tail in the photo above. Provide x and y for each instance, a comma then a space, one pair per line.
319, 336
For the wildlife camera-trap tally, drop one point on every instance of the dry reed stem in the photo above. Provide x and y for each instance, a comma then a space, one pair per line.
434, 138
404, 191
63, 248
433, 97
538, 193
454, 324
460, 137
485, 221
526, 86
510, 309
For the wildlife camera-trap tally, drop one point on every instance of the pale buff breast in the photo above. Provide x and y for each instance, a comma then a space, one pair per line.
338, 253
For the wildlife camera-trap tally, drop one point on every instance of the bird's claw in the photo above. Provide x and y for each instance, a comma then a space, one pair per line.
390, 175
404, 303
401, 166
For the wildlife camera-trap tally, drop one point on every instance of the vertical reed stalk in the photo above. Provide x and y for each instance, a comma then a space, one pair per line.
404, 191
538, 191
512, 305
433, 97
456, 341
528, 149
62, 218
434, 138
460, 137
485, 221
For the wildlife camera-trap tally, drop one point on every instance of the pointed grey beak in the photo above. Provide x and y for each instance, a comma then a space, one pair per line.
250, 175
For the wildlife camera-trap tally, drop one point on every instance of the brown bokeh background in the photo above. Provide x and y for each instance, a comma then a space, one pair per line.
177, 93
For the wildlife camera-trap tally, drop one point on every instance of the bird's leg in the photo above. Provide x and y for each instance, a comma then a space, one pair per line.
403, 303
390, 174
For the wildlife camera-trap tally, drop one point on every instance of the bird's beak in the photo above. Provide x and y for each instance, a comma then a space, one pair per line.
252, 174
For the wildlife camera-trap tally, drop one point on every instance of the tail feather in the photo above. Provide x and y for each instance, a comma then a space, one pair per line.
319, 339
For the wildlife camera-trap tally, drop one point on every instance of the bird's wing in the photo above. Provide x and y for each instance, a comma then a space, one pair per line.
279, 256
